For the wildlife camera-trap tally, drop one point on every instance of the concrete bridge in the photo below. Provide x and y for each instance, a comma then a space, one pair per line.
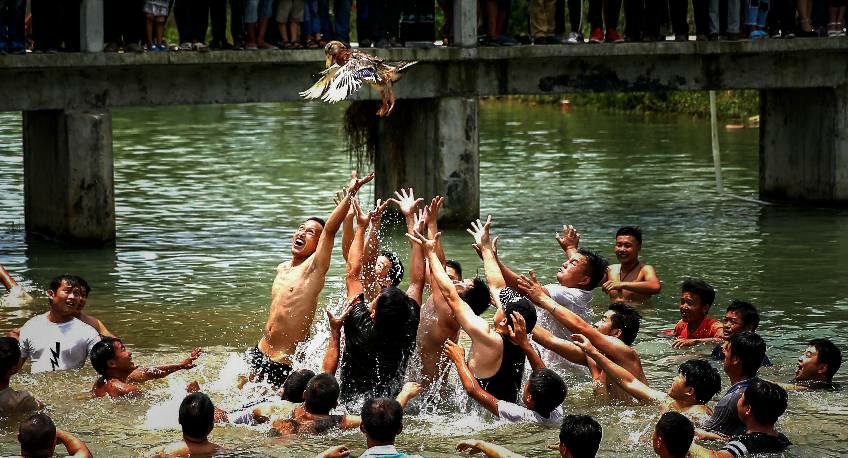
66, 101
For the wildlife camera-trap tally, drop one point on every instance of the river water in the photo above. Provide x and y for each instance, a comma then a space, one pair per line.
207, 199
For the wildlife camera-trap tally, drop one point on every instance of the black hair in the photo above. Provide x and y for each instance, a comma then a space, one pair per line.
396, 271
699, 288
633, 231
677, 433
626, 319
514, 302
597, 266
478, 297
197, 415
101, 353
322, 394
767, 401
581, 435
317, 220
455, 265
295, 385
747, 312
750, 348
73, 281
702, 377
37, 435
547, 389
392, 311
382, 418
10, 354
829, 354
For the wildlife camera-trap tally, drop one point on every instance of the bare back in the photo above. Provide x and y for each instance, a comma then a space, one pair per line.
633, 364
294, 299
437, 325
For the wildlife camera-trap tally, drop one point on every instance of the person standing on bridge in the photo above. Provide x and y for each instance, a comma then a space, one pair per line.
294, 294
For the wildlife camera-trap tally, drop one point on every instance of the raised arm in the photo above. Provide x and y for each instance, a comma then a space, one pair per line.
321, 261
569, 241
143, 374
433, 224
76, 448
457, 354
476, 327
562, 347
372, 248
407, 203
409, 391
353, 267
331, 355
622, 376
518, 336
347, 226
480, 232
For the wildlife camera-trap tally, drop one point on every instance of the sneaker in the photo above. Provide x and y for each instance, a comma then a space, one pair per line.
614, 37
597, 36
187, 46
757, 34
574, 38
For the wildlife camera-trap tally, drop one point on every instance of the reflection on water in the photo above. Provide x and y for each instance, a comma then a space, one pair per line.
207, 199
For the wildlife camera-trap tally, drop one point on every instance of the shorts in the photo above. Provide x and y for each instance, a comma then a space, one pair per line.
290, 11
266, 369
156, 7
255, 9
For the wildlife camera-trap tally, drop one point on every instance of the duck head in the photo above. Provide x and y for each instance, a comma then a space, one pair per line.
331, 49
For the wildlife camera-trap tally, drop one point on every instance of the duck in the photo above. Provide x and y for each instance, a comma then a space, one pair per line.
347, 69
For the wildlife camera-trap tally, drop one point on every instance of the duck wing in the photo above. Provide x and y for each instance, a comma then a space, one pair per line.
349, 78
320, 87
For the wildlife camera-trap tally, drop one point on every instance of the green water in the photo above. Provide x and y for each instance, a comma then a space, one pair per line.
207, 199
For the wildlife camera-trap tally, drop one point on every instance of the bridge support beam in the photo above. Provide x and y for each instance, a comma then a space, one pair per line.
804, 145
432, 145
69, 191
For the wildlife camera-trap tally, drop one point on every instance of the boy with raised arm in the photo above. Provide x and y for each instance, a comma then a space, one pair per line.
543, 395
38, 436
119, 375
696, 383
294, 294
497, 363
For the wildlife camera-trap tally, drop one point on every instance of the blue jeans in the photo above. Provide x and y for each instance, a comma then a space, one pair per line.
732, 16
255, 9
339, 29
757, 12
311, 20
12, 14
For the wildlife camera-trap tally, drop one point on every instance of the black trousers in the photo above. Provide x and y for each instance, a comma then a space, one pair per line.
643, 17
575, 16
192, 17
604, 13
385, 18
54, 23
123, 21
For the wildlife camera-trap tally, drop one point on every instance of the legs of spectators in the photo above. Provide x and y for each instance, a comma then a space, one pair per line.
733, 10
218, 16
326, 23
701, 11
200, 23
575, 18
497, 20
654, 13
755, 17
715, 22
679, 12
447, 29
836, 22
341, 13
237, 23
385, 15
46, 26
633, 18
185, 27
596, 21
805, 9
542, 20
611, 12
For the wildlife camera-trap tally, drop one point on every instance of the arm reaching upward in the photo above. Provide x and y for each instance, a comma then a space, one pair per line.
433, 224
480, 232
518, 336
76, 448
321, 262
331, 355
569, 241
409, 391
372, 248
353, 270
457, 354
622, 376
406, 201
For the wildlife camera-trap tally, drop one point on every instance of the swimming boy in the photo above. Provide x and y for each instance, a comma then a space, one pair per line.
119, 375
816, 367
740, 316
696, 383
695, 325
294, 294
38, 436
673, 435
197, 419
13, 402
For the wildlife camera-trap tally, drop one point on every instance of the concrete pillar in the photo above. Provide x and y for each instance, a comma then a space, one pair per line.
432, 145
69, 191
465, 23
91, 25
804, 145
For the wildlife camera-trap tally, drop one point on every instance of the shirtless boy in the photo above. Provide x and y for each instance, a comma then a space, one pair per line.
632, 281
294, 294
119, 375
197, 419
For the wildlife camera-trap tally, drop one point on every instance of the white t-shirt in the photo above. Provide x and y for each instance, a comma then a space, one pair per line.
578, 301
56, 346
515, 413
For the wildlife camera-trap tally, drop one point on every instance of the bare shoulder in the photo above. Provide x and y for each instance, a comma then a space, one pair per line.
175, 449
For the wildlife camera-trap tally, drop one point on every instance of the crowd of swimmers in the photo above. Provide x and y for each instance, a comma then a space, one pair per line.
380, 328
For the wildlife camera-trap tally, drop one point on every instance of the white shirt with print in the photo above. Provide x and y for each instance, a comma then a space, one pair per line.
56, 346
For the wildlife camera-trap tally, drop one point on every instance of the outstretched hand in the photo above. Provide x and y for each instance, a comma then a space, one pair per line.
362, 218
188, 363
376, 214
581, 341
336, 322
468, 445
518, 330
530, 287
429, 245
454, 351
357, 183
434, 207
419, 222
480, 232
406, 201
570, 238
494, 247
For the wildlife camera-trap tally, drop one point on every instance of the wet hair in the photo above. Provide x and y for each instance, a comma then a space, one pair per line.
10, 354
702, 377
396, 271
322, 394
750, 348
478, 296
767, 401
747, 312
677, 432
514, 302
699, 288
295, 385
547, 389
393, 310
37, 435
596, 265
317, 220
73, 281
626, 319
581, 435
455, 265
197, 415
101, 353
382, 418
829, 354
632, 231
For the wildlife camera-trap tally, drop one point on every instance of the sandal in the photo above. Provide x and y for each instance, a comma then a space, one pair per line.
296, 45
312, 44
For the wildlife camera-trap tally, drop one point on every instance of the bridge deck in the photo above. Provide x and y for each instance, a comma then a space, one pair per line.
58, 81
